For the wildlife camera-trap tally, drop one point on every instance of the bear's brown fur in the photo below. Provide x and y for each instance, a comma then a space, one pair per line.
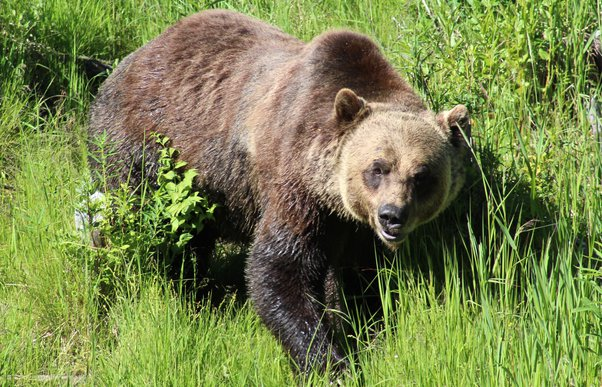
304, 145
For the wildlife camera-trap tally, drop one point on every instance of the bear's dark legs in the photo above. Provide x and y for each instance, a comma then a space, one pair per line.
192, 266
202, 246
286, 277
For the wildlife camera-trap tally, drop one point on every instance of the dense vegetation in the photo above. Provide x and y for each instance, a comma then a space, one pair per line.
504, 288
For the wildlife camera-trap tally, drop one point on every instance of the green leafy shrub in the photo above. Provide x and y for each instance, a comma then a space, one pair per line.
163, 219
136, 232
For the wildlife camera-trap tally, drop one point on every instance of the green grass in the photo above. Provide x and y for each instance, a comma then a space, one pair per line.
504, 289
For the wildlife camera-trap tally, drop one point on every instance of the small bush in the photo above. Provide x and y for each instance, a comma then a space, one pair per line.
147, 230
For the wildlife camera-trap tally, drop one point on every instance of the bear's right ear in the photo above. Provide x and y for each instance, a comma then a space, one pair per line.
348, 106
457, 122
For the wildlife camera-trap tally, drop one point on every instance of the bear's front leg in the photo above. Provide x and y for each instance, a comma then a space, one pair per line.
286, 275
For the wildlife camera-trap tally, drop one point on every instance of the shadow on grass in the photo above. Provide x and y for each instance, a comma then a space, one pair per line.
496, 212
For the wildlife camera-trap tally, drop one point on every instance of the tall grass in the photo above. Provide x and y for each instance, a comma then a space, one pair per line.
505, 288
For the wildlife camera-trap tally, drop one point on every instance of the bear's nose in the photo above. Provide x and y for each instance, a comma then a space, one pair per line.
392, 217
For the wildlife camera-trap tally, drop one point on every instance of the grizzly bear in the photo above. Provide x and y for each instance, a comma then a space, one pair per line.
310, 149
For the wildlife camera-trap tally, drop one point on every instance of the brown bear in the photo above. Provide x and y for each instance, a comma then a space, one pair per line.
310, 148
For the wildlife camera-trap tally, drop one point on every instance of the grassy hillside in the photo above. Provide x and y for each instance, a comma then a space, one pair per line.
505, 288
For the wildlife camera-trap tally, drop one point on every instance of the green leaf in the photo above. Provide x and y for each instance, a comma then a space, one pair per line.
175, 224
181, 164
170, 175
543, 54
184, 239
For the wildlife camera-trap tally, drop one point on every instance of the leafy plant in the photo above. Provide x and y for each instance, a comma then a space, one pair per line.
183, 207
146, 229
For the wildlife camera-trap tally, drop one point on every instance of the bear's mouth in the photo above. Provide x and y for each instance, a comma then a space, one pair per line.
393, 237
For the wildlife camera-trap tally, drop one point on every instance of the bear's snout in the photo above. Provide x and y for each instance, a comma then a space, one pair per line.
392, 220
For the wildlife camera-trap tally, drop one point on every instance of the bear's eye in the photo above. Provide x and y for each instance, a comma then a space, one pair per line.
422, 174
380, 167
424, 180
375, 172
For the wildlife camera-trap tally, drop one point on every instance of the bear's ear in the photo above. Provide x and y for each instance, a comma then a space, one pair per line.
456, 122
348, 105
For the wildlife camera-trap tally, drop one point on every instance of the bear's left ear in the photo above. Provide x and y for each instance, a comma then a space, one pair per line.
456, 121
348, 106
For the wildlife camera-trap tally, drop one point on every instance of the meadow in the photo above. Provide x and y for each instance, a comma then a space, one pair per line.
505, 288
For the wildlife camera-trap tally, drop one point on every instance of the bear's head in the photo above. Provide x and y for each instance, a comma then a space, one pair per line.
398, 169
